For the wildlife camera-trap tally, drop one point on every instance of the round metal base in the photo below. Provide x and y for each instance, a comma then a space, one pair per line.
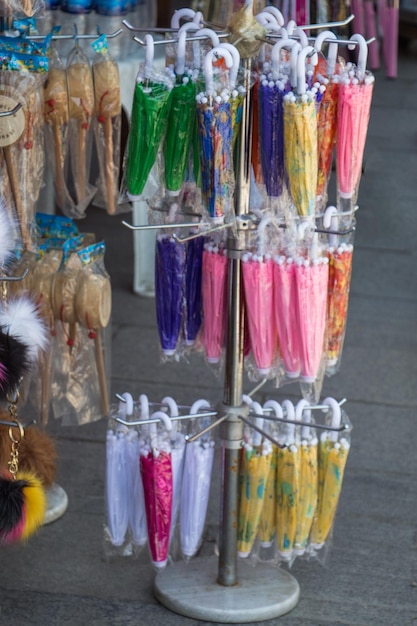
57, 503
191, 589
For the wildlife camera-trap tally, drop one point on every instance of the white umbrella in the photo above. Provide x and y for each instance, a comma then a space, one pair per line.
117, 477
195, 488
136, 503
177, 460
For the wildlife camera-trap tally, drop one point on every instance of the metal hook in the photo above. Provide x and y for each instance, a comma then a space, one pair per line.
76, 35
157, 226
14, 279
260, 431
163, 42
202, 233
191, 438
12, 111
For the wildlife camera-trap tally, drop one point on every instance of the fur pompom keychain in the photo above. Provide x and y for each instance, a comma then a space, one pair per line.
22, 495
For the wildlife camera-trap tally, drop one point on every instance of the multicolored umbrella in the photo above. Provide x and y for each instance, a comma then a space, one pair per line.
170, 256
258, 283
311, 279
215, 131
300, 138
195, 488
308, 488
333, 453
214, 281
288, 485
181, 123
254, 469
156, 471
355, 96
148, 124
340, 256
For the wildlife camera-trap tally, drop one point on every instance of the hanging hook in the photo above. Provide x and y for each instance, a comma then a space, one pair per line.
11, 111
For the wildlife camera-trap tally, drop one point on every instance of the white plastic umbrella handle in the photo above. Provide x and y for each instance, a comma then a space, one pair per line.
336, 417
276, 407
266, 19
144, 406
180, 64
149, 55
179, 14
206, 32
276, 13
126, 408
208, 65
301, 36
303, 414
363, 54
259, 422
236, 62
276, 52
173, 412
289, 414
332, 50
301, 66
199, 404
295, 50
331, 220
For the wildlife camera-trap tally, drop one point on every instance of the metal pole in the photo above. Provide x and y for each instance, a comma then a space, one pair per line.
231, 430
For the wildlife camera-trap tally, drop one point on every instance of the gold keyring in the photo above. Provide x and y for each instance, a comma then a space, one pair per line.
21, 432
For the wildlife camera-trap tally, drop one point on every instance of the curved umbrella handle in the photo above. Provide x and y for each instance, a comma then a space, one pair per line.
268, 219
363, 54
236, 62
163, 417
332, 50
206, 32
266, 19
301, 66
144, 406
180, 64
295, 50
149, 55
180, 13
331, 220
173, 412
197, 405
198, 18
208, 65
276, 407
276, 52
289, 414
303, 414
336, 417
259, 421
126, 408
292, 24
301, 36
276, 13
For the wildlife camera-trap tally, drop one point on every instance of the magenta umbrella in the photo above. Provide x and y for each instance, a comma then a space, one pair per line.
285, 311
311, 279
156, 471
355, 96
214, 281
258, 282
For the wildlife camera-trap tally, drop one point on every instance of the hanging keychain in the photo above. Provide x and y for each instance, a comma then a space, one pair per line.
22, 496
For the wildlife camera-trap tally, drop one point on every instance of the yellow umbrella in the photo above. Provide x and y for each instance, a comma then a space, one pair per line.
254, 470
288, 481
307, 495
332, 461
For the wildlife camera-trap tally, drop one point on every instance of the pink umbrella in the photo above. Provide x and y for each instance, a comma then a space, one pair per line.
390, 43
258, 282
311, 279
285, 310
214, 281
156, 470
355, 96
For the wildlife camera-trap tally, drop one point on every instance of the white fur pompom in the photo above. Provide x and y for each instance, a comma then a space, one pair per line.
7, 242
20, 318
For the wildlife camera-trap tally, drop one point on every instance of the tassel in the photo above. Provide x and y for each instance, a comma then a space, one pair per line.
22, 507
21, 320
14, 363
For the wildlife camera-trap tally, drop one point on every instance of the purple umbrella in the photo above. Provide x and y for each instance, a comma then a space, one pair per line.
193, 293
169, 291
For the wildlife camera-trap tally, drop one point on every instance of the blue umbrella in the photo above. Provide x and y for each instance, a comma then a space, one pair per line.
169, 291
193, 293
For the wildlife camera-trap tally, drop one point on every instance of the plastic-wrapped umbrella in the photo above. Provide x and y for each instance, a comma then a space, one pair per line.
267, 523
215, 132
117, 496
195, 492
181, 123
237, 93
258, 285
390, 40
255, 466
288, 481
327, 114
285, 312
169, 290
340, 270
136, 501
193, 289
300, 138
311, 279
271, 115
308, 487
355, 96
333, 453
150, 111
177, 459
214, 281
156, 471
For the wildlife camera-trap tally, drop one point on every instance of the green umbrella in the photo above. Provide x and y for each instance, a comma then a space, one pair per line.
181, 123
150, 113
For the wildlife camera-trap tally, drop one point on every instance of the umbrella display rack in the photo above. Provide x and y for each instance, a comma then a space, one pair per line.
213, 589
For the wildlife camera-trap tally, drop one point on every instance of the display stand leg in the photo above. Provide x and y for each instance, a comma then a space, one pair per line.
196, 589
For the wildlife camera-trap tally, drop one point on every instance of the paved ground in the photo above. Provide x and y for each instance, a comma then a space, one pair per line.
60, 577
